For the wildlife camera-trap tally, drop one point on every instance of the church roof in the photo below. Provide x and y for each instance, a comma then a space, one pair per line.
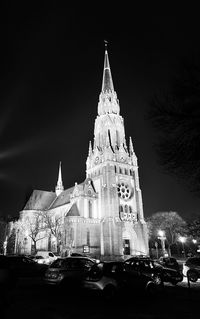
40, 200
62, 199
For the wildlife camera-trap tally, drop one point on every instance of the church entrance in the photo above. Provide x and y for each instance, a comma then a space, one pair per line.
126, 247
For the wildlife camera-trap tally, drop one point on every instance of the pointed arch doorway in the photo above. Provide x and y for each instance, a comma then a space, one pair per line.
126, 243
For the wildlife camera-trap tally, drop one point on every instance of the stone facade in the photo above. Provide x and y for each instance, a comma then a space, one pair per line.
103, 216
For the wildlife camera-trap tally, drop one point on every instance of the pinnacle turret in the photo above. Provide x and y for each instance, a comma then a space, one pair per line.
90, 149
131, 150
59, 187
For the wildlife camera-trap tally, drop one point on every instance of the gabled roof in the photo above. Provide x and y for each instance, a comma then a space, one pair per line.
62, 199
40, 200
73, 211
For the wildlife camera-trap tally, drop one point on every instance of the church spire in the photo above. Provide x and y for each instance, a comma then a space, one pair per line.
108, 102
59, 187
107, 83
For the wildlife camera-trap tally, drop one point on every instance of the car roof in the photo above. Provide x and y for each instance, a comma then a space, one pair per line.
138, 258
78, 257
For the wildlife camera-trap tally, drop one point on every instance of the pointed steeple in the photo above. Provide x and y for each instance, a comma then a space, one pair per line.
59, 187
108, 102
90, 149
107, 83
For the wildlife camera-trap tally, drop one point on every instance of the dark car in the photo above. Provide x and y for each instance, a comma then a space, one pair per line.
23, 266
145, 266
110, 279
191, 268
169, 262
68, 271
170, 275
7, 276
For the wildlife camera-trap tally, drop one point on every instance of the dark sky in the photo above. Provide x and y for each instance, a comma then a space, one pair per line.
50, 79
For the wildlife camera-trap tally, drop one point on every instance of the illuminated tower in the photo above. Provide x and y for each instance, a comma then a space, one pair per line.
113, 168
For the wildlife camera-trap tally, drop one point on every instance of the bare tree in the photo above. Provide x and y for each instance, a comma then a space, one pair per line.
171, 223
53, 224
194, 228
34, 227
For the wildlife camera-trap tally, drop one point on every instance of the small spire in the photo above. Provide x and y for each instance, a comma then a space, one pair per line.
131, 150
107, 83
59, 186
90, 149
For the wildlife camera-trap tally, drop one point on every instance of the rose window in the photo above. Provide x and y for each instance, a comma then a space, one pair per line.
124, 191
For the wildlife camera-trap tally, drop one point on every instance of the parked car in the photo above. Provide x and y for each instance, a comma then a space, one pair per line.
39, 259
47, 257
110, 279
170, 275
191, 268
146, 266
68, 271
23, 266
169, 262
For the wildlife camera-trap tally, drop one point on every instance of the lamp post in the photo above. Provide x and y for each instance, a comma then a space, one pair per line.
183, 240
162, 238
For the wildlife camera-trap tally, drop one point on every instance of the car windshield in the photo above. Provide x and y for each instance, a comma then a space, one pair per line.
72, 263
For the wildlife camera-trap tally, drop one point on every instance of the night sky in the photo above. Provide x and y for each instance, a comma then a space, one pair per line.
50, 80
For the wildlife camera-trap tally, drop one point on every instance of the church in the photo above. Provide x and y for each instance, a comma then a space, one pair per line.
102, 216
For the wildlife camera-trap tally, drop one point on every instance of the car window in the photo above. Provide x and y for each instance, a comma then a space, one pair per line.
58, 263
73, 264
51, 255
28, 261
87, 263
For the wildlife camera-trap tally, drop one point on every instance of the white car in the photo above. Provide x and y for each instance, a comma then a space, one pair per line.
45, 257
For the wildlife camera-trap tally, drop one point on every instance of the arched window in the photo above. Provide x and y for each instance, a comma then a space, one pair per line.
126, 209
132, 174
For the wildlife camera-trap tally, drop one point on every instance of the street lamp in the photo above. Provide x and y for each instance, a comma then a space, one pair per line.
162, 238
183, 240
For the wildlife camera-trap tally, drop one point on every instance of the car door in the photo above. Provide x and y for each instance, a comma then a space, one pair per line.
76, 269
135, 277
